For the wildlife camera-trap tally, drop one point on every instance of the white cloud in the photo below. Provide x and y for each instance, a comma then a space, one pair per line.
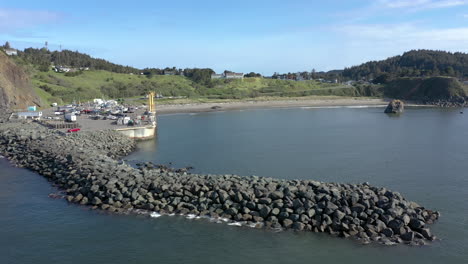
405, 33
379, 41
421, 4
403, 3
18, 19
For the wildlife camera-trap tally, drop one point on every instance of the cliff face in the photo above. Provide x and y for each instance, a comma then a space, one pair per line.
16, 91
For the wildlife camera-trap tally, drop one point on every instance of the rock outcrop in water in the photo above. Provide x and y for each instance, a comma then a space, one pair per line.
395, 107
86, 167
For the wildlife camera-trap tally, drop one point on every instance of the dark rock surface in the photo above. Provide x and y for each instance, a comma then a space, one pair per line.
88, 168
395, 107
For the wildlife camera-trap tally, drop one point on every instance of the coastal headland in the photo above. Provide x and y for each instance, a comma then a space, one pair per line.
89, 168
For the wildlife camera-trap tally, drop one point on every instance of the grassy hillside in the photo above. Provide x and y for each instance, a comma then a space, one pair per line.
434, 88
60, 87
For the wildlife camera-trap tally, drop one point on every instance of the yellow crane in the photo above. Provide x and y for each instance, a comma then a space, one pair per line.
151, 106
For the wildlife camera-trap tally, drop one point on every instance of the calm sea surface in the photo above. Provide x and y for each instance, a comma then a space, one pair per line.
423, 154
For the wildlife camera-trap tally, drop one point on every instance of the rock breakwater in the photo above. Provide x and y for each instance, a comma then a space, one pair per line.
87, 167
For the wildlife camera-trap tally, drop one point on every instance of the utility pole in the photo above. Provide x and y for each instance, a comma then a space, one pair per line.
58, 57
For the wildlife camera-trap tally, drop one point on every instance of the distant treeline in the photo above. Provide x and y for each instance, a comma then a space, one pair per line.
415, 63
43, 58
312, 75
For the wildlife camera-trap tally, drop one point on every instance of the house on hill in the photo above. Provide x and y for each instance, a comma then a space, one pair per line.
228, 75
234, 75
217, 76
169, 72
11, 52
63, 69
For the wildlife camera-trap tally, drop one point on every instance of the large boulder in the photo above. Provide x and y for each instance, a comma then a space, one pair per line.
395, 107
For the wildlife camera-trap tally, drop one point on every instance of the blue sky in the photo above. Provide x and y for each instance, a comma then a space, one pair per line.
261, 36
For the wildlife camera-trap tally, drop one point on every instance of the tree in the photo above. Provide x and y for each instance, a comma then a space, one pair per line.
253, 74
201, 76
313, 74
7, 45
450, 71
415, 63
383, 78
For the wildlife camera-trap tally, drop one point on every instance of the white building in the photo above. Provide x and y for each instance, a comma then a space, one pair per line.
217, 76
62, 69
299, 77
98, 101
169, 73
30, 115
11, 52
228, 75
233, 75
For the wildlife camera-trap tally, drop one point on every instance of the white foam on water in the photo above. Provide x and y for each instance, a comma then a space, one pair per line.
155, 215
277, 230
224, 220
191, 216
235, 224
252, 225
171, 214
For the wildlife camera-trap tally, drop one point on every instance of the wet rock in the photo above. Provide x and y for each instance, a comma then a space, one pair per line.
388, 232
87, 169
298, 226
395, 107
416, 224
408, 236
287, 223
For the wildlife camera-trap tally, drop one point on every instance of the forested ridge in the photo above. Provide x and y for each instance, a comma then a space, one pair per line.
43, 58
415, 63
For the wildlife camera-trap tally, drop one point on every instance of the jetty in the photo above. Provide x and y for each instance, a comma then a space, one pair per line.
89, 168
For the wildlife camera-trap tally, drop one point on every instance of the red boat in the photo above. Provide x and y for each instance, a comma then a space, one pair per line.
73, 130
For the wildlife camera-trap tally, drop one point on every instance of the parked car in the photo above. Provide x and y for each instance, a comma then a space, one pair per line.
73, 130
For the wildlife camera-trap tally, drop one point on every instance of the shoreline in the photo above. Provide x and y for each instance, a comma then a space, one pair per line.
268, 104
297, 102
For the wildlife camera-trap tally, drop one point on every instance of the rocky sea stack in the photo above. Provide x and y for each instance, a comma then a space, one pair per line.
87, 167
395, 107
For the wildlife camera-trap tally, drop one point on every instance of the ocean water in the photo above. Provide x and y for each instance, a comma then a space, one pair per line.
422, 154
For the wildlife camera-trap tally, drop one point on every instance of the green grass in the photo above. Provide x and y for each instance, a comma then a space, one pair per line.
56, 87
97, 84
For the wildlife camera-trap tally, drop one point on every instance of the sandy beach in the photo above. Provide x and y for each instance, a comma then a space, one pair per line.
262, 104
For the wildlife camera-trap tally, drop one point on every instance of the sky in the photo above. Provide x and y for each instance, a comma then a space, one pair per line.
243, 35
